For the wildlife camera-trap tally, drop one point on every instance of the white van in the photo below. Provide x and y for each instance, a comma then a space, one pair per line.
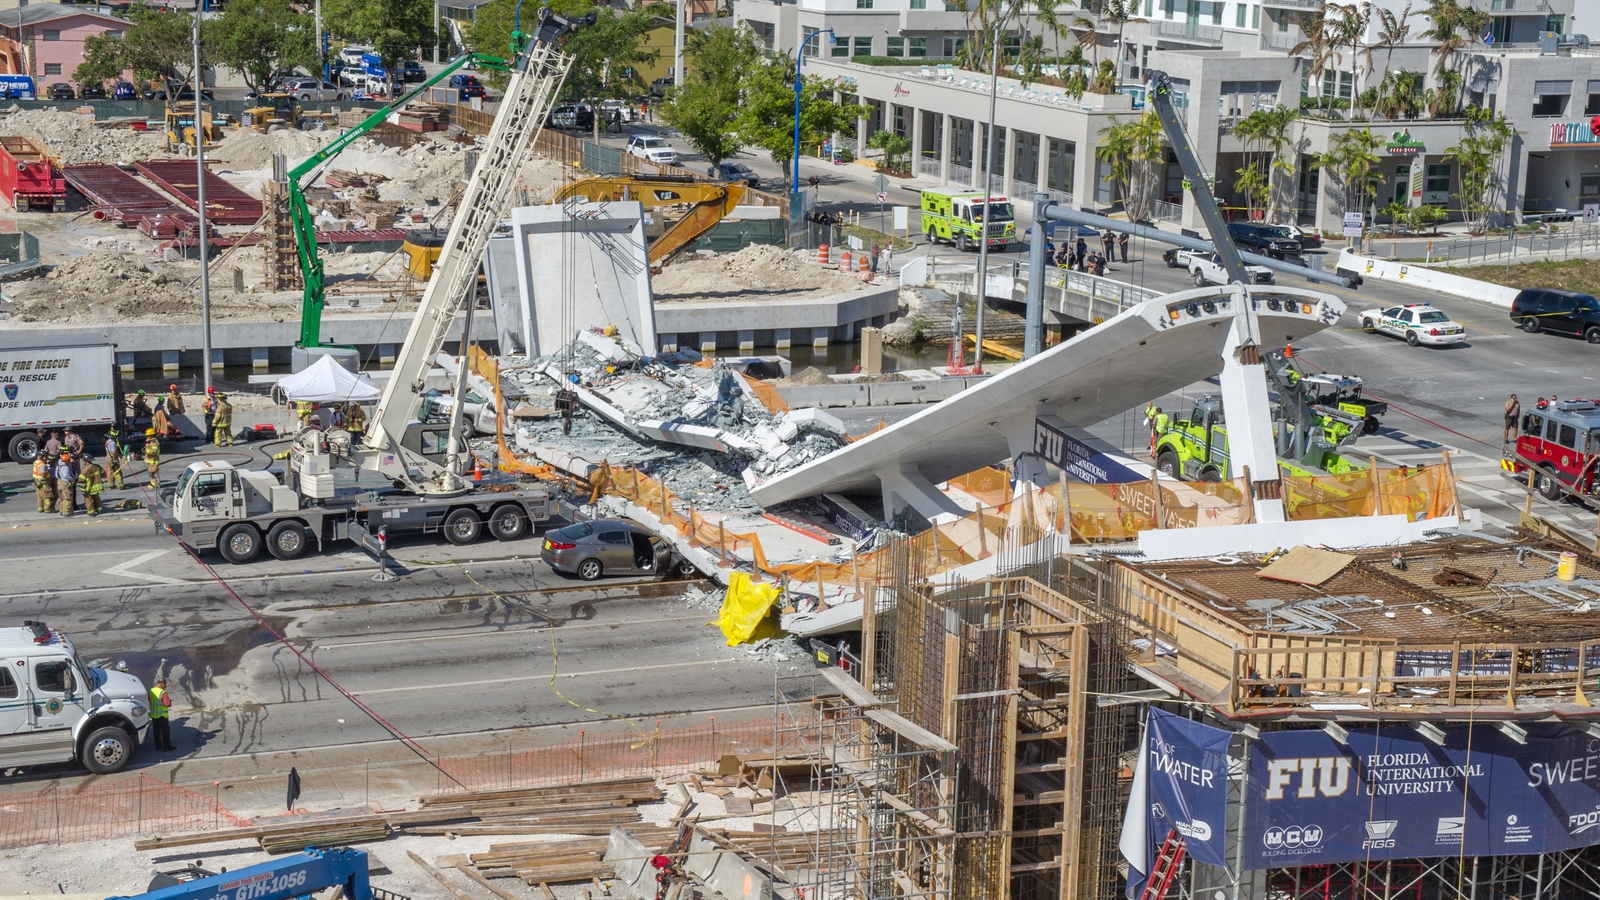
54, 709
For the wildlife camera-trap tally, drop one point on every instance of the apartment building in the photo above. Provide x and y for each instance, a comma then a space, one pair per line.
1226, 58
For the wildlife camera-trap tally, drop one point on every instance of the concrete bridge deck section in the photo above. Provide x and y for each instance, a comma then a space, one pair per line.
1157, 346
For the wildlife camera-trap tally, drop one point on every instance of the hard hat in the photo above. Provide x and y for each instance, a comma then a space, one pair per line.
172, 387
150, 432
211, 390
141, 392
65, 455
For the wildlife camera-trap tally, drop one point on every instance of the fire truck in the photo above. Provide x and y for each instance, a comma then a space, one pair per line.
1560, 444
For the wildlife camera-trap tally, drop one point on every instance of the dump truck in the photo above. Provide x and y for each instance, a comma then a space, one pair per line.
955, 217
29, 176
53, 381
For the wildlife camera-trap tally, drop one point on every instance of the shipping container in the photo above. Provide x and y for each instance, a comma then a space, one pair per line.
29, 177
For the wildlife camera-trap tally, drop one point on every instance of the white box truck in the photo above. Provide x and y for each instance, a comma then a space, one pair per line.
56, 380
55, 709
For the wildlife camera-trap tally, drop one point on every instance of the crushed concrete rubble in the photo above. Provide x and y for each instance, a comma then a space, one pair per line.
76, 138
702, 429
757, 272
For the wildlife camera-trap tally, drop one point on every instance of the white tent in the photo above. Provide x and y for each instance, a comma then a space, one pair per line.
325, 381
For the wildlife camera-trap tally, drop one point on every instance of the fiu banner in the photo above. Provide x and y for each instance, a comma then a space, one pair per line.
1391, 794
1180, 784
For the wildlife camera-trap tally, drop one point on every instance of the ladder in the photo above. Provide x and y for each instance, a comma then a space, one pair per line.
1165, 871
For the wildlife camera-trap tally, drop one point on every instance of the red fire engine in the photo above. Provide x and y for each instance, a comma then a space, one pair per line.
1560, 442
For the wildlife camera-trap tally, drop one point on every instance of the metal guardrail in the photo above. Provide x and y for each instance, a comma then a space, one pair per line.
1166, 212
1282, 42
1086, 297
1187, 30
1566, 241
929, 166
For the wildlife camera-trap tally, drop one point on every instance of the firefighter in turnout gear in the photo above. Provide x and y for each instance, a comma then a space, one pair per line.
114, 461
152, 457
355, 419
174, 401
91, 481
222, 421
44, 484
302, 411
66, 485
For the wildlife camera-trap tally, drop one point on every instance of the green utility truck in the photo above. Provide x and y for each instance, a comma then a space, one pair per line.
956, 217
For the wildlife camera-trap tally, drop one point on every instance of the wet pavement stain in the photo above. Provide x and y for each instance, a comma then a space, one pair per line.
204, 663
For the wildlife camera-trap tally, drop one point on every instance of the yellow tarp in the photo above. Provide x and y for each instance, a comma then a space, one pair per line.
745, 607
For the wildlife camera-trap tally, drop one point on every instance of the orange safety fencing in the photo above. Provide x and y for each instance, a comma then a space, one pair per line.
1416, 492
106, 809
597, 758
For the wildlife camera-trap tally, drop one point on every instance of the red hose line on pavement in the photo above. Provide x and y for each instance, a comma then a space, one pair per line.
1402, 409
381, 722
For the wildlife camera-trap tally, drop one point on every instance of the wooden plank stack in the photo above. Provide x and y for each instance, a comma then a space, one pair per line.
586, 809
424, 117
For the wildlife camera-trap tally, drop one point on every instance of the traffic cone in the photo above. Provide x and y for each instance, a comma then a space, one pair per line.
863, 264
844, 263
822, 254
477, 471
1288, 351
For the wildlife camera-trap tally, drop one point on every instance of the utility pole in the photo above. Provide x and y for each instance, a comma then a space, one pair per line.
988, 193
677, 45
200, 196
322, 45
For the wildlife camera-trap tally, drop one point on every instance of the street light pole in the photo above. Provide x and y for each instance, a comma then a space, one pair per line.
988, 193
799, 59
200, 197
677, 45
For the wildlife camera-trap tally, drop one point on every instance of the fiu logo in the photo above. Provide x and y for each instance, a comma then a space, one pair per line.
1325, 775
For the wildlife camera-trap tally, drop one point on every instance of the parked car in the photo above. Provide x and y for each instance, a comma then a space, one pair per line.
280, 79
122, 90
412, 71
652, 148
312, 90
591, 550
661, 86
60, 90
734, 172
574, 116
92, 92
351, 55
1549, 309
1309, 238
1207, 268
468, 85
1418, 323
1269, 240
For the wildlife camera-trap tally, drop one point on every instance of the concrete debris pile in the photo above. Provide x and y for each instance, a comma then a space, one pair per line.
757, 272
77, 138
102, 286
247, 149
672, 412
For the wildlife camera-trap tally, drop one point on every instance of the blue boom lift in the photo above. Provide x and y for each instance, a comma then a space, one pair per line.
281, 879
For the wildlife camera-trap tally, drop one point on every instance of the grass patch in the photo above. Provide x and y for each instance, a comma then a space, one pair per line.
1572, 275
868, 235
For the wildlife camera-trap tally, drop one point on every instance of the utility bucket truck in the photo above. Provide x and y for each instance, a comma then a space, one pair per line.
238, 511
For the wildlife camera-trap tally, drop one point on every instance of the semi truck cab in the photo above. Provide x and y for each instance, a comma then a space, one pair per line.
55, 709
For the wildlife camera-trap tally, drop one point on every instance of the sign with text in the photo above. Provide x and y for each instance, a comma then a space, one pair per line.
1567, 134
1186, 767
1054, 443
1391, 794
1352, 224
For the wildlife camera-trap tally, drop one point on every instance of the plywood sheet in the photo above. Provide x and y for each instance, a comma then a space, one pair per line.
1306, 565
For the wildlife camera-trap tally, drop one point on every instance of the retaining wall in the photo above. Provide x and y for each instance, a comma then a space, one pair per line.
1430, 278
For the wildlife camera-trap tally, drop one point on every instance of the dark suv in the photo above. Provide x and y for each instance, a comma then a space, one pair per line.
1269, 240
1537, 309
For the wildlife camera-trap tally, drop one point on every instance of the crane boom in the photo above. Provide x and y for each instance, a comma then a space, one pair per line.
1160, 94
537, 74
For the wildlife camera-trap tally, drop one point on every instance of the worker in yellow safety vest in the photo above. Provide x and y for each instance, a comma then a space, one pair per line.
302, 411
160, 708
1158, 427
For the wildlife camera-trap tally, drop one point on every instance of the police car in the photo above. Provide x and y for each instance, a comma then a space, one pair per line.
1418, 323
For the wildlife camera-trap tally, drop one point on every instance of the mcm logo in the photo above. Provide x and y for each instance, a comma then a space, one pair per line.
1325, 775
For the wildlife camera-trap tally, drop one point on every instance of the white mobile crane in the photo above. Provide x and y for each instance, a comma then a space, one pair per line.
238, 511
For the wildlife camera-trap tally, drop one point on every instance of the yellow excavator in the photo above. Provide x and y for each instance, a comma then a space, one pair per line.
712, 202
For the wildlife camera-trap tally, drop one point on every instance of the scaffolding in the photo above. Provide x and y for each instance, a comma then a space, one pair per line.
277, 240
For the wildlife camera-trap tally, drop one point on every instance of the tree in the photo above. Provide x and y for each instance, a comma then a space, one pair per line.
156, 44
256, 37
766, 115
1352, 161
396, 29
1478, 157
606, 53
1393, 32
894, 147
705, 107
1136, 154
1314, 48
1347, 25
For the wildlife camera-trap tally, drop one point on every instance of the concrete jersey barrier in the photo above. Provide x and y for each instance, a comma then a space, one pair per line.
1432, 279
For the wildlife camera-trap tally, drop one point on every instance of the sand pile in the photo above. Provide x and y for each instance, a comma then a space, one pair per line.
77, 139
246, 149
758, 271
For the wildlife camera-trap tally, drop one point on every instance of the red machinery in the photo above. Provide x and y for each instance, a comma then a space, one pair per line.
29, 177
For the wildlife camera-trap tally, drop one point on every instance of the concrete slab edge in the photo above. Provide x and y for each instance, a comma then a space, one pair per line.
1430, 278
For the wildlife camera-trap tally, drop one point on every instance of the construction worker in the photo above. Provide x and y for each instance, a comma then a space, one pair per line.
1158, 427
302, 411
152, 457
355, 419
44, 484
208, 406
160, 710
336, 416
92, 481
66, 485
222, 422
114, 461
1150, 422
666, 873
174, 401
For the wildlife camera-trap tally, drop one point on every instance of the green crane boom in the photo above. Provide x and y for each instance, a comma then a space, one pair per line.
305, 234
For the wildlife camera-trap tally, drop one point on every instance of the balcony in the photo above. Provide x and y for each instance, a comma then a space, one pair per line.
1190, 31
1518, 6
1278, 41
1309, 4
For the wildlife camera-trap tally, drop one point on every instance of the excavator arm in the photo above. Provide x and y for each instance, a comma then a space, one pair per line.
713, 201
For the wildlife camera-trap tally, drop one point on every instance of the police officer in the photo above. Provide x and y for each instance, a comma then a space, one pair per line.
44, 484
92, 482
222, 422
160, 708
152, 457
114, 461
73, 442
66, 485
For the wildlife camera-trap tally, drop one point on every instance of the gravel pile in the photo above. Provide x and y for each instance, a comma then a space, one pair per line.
247, 149
758, 272
77, 139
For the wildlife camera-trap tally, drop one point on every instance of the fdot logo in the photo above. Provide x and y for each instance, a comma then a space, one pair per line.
1294, 837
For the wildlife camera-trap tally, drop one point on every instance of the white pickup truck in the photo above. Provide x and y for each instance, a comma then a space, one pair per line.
1207, 269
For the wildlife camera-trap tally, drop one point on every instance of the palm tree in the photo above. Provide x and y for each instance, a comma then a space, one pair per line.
1285, 166
1348, 25
1392, 32
1446, 31
1315, 45
1118, 12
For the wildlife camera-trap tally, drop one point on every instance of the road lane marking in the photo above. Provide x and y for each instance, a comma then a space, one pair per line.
536, 628
17, 559
462, 684
121, 570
